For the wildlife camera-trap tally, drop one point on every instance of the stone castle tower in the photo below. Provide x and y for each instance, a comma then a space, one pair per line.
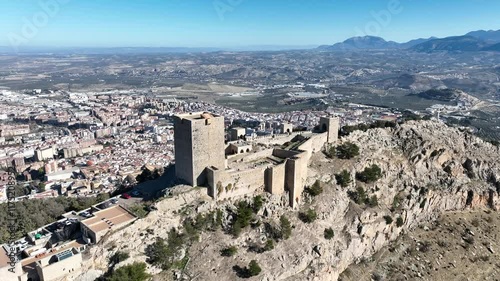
331, 125
199, 143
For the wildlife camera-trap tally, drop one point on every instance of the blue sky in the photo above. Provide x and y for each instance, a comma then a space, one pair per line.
235, 23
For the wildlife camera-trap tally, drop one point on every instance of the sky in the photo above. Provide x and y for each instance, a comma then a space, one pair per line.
234, 23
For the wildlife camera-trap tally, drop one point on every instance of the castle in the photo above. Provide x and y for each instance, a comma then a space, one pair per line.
237, 168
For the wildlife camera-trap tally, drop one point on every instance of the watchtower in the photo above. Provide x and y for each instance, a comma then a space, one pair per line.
199, 143
331, 125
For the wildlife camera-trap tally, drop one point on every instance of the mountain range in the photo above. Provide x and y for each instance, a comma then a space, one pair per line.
371, 43
480, 40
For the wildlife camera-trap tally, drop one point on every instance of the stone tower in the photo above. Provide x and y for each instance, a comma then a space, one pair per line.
199, 143
331, 125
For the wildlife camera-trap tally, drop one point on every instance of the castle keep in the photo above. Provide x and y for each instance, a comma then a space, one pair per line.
199, 143
237, 169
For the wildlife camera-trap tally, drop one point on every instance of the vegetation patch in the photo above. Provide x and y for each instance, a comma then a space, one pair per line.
343, 178
370, 174
399, 222
253, 269
32, 214
132, 272
244, 215
316, 189
286, 227
308, 216
165, 253
347, 150
388, 219
229, 251
328, 233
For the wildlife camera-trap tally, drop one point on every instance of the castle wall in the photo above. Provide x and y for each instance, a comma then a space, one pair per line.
278, 138
314, 144
275, 179
295, 177
283, 153
183, 152
251, 156
230, 184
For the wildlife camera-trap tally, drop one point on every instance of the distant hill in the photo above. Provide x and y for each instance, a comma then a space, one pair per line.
490, 36
495, 48
412, 82
371, 43
473, 41
444, 95
362, 43
415, 42
455, 43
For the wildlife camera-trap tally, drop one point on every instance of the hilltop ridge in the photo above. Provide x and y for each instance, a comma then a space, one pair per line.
428, 169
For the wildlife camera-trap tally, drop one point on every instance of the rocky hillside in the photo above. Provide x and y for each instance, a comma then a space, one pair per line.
427, 169
458, 246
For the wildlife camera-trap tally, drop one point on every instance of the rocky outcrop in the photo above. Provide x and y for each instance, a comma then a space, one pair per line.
428, 168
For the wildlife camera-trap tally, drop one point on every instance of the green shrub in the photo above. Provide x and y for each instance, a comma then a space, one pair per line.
244, 215
331, 152
308, 216
316, 189
190, 230
269, 245
236, 229
254, 268
118, 257
286, 227
164, 253
373, 201
344, 178
229, 251
359, 196
328, 234
218, 219
257, 203
388, 219
370, 174
139, 210
347, 150
399, 222
131, 272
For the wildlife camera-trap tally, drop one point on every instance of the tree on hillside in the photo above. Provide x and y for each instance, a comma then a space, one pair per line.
347, 150
308, 216
370, 174
344, 178
316, 189
132, 272
286, 227
164, 253
254, 268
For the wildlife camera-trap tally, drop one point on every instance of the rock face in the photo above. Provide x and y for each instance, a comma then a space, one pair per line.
457, 246
428, 168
